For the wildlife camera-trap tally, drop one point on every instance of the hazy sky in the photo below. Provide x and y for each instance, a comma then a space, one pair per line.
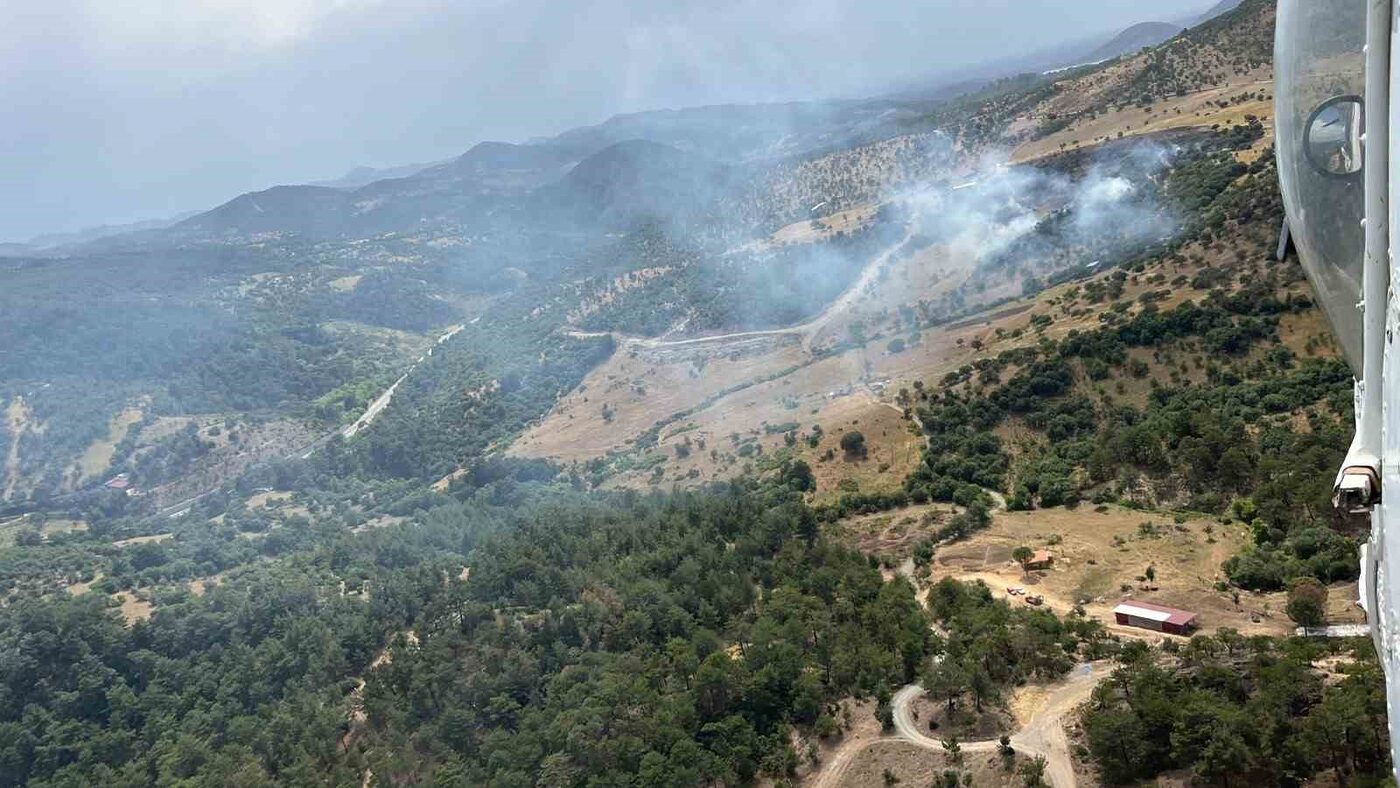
116, 110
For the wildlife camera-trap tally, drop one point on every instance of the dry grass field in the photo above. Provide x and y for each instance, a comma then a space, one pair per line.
135, 540
1101, 552
49, 526
98, 457
1101, 557
1195, 110
267, 499
914, 765
133, 607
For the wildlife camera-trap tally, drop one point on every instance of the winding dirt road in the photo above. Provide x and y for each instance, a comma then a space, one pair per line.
868, 276
808, 331
1043, 734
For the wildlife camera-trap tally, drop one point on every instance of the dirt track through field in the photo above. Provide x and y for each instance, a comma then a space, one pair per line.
1043, 734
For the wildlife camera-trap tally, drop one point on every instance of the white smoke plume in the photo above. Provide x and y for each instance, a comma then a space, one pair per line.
1039, 217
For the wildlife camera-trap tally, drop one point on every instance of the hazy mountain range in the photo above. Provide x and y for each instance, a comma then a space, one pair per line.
386, 198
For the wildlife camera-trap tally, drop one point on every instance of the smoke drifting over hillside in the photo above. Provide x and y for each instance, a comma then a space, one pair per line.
169, 107
999, 228
1042, 217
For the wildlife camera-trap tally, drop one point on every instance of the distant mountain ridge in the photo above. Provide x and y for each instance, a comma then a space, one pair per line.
363, 176
313, 210
494, 178
1149, 34
1222, 7
1133, 39
639, 179
87, 234
622, 182
664, 157
734, 134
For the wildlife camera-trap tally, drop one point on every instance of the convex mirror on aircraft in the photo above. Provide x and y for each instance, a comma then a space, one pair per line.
1332, 138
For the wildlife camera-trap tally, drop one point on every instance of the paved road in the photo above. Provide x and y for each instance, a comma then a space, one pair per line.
382, 401
375, 408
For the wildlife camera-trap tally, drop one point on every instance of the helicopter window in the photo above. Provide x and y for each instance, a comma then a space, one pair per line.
1319, 99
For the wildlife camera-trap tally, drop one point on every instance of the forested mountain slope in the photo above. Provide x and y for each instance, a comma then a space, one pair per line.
342, 289
683, 443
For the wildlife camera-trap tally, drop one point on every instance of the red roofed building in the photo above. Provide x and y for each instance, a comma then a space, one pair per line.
1157, 618
1041, 559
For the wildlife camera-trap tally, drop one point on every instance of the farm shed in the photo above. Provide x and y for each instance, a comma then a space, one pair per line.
1158, 618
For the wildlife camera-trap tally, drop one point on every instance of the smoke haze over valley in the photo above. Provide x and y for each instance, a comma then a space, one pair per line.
119, 112
730, 394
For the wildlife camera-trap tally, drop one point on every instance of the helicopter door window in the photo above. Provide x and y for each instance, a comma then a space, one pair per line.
1319, 100
1333, 136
